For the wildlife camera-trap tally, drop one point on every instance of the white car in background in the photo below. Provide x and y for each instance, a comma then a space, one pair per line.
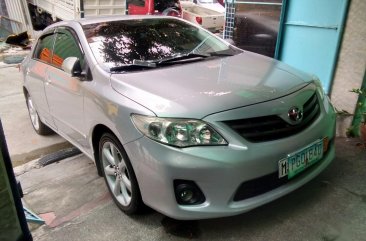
210, 4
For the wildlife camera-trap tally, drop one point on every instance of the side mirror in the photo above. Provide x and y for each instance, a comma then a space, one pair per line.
71, 65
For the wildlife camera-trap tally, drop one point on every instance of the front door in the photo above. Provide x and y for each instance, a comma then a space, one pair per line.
65, 93
35, 76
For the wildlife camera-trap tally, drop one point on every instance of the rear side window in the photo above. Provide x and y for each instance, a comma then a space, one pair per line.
66, 46
43, 50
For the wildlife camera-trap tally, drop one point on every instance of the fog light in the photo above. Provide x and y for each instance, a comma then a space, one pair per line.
188, 193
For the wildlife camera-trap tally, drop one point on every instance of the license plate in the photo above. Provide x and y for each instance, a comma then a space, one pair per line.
298, 161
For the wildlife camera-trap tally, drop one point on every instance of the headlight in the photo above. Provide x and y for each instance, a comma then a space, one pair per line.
178, 132
319, 87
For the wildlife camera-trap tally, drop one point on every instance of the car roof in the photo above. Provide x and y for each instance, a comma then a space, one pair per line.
110, 18
91, 20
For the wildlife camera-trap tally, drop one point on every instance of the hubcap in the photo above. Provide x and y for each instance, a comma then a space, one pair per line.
116, 173
33, 114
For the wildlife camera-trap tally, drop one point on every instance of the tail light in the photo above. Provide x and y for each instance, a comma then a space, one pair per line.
199, 20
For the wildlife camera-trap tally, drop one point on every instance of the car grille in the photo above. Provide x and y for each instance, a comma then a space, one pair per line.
272, 127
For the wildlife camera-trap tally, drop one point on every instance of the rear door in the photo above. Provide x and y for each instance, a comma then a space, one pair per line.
65, 93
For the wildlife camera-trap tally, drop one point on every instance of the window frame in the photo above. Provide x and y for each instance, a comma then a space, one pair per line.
48, 33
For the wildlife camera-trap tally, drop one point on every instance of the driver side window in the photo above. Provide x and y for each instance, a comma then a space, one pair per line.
43, 51
66, 46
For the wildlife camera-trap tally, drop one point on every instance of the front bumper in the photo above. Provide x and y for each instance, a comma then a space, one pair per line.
218, 181
220, 170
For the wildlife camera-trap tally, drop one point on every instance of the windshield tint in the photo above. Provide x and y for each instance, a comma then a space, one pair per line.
120, 43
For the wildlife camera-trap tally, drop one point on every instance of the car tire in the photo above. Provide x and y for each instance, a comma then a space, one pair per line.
119, 175
37, 124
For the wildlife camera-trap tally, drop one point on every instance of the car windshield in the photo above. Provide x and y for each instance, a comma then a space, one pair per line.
126, 42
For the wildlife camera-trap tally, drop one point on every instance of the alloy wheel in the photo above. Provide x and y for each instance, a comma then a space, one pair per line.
116, 173
33, 113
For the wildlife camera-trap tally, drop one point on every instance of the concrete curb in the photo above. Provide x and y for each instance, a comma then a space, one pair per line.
19, 170
20, 159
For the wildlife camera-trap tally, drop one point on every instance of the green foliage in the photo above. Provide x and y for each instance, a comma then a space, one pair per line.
359, 92
360, 115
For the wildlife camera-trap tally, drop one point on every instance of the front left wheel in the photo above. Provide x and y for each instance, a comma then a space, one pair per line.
119, 175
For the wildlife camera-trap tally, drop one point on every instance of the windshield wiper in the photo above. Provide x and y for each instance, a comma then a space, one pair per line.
182, 57
220, 54
141, 64
136, 64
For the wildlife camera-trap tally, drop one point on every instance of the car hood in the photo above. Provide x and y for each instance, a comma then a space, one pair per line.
195, 90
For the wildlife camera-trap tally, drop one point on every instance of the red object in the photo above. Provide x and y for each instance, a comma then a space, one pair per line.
199, 20
149, 9
221, 2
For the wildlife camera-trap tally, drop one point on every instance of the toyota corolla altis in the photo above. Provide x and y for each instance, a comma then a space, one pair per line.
176, 118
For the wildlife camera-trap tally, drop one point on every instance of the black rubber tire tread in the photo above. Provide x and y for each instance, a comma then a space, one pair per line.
136, 206
43, 130
58, 156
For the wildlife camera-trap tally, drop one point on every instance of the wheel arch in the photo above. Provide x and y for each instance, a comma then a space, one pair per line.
97, 133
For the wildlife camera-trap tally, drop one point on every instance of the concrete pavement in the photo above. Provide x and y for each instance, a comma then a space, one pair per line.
75, 203
23, 142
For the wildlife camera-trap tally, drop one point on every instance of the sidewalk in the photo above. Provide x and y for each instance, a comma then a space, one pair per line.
74, 201
23, 142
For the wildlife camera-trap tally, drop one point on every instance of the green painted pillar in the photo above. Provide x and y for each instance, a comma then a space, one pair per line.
360, 113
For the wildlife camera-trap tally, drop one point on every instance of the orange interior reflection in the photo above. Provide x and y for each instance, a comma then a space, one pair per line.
46, 57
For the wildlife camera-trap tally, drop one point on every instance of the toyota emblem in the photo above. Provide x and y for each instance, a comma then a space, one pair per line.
295, 114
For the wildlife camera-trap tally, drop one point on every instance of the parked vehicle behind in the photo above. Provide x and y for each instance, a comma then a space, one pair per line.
176, 118
154, 7
205, 17
210, 4
45, 12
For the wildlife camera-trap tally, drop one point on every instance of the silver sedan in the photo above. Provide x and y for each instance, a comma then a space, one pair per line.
176, 118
